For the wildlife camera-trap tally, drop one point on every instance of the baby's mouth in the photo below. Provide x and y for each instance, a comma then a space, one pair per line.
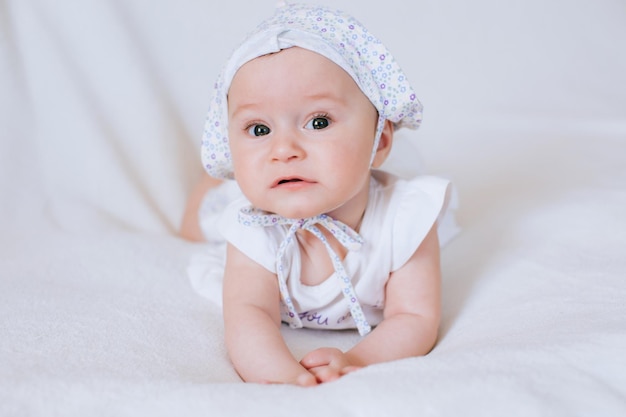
285, 181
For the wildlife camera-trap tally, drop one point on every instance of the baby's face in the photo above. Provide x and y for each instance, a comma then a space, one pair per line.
301, 135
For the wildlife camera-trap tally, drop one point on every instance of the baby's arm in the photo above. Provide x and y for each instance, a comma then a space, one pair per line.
410, 324
252, 324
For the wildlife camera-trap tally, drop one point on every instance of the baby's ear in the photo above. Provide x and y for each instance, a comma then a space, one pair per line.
384, 145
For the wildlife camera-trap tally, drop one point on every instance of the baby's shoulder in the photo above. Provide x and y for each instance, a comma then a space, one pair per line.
404, 210
254, 240
391, 195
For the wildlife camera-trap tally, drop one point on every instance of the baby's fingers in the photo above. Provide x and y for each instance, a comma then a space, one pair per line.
349, 369
320, 357
306, 380
303, 380
325, 374
330, 373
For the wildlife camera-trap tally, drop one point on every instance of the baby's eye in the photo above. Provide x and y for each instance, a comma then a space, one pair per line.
259, 130
319, 122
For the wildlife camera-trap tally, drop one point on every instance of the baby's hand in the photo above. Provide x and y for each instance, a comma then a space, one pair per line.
328, 364
305, 379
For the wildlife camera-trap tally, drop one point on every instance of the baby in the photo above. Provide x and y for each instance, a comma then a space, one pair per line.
303, 114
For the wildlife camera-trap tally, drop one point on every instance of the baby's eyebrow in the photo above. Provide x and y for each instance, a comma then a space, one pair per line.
326, 96
322, 101
243, 108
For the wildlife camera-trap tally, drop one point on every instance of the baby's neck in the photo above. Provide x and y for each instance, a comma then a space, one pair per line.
315, 265
351, 213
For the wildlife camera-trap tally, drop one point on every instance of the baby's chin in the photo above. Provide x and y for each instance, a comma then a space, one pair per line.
289, 212
295, 214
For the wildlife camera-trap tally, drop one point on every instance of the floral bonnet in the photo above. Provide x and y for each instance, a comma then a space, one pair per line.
333, 34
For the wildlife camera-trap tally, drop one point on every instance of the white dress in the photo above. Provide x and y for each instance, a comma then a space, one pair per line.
397, 218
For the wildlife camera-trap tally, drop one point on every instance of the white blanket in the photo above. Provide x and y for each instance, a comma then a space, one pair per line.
101, 110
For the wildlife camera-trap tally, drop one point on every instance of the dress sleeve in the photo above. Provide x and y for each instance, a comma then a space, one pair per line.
422, 201
258, 243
